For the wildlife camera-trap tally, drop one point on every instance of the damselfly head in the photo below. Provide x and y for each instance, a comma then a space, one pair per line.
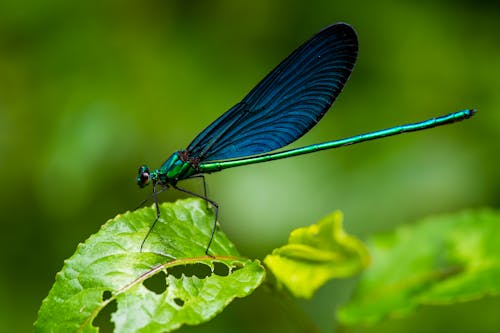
143, 177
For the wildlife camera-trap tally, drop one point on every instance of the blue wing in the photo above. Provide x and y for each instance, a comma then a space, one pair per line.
287, 103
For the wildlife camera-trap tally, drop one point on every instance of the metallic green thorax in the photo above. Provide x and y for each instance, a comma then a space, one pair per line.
213, 166
177, 167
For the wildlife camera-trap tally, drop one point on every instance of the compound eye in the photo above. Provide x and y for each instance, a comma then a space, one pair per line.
144, 176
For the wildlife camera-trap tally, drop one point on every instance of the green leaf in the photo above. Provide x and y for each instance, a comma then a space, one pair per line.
316, 254
441, 260
171, 283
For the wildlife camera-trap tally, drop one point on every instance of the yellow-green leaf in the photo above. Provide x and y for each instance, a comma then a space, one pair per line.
316, 254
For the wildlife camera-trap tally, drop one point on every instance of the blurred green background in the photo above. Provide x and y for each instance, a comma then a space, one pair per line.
91, 90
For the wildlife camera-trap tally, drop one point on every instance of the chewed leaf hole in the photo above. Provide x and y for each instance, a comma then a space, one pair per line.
106, 295
103, 318
221, 269
178, 301
199, 270
157, 283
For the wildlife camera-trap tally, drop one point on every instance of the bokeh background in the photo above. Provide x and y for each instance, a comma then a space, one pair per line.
90, 90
